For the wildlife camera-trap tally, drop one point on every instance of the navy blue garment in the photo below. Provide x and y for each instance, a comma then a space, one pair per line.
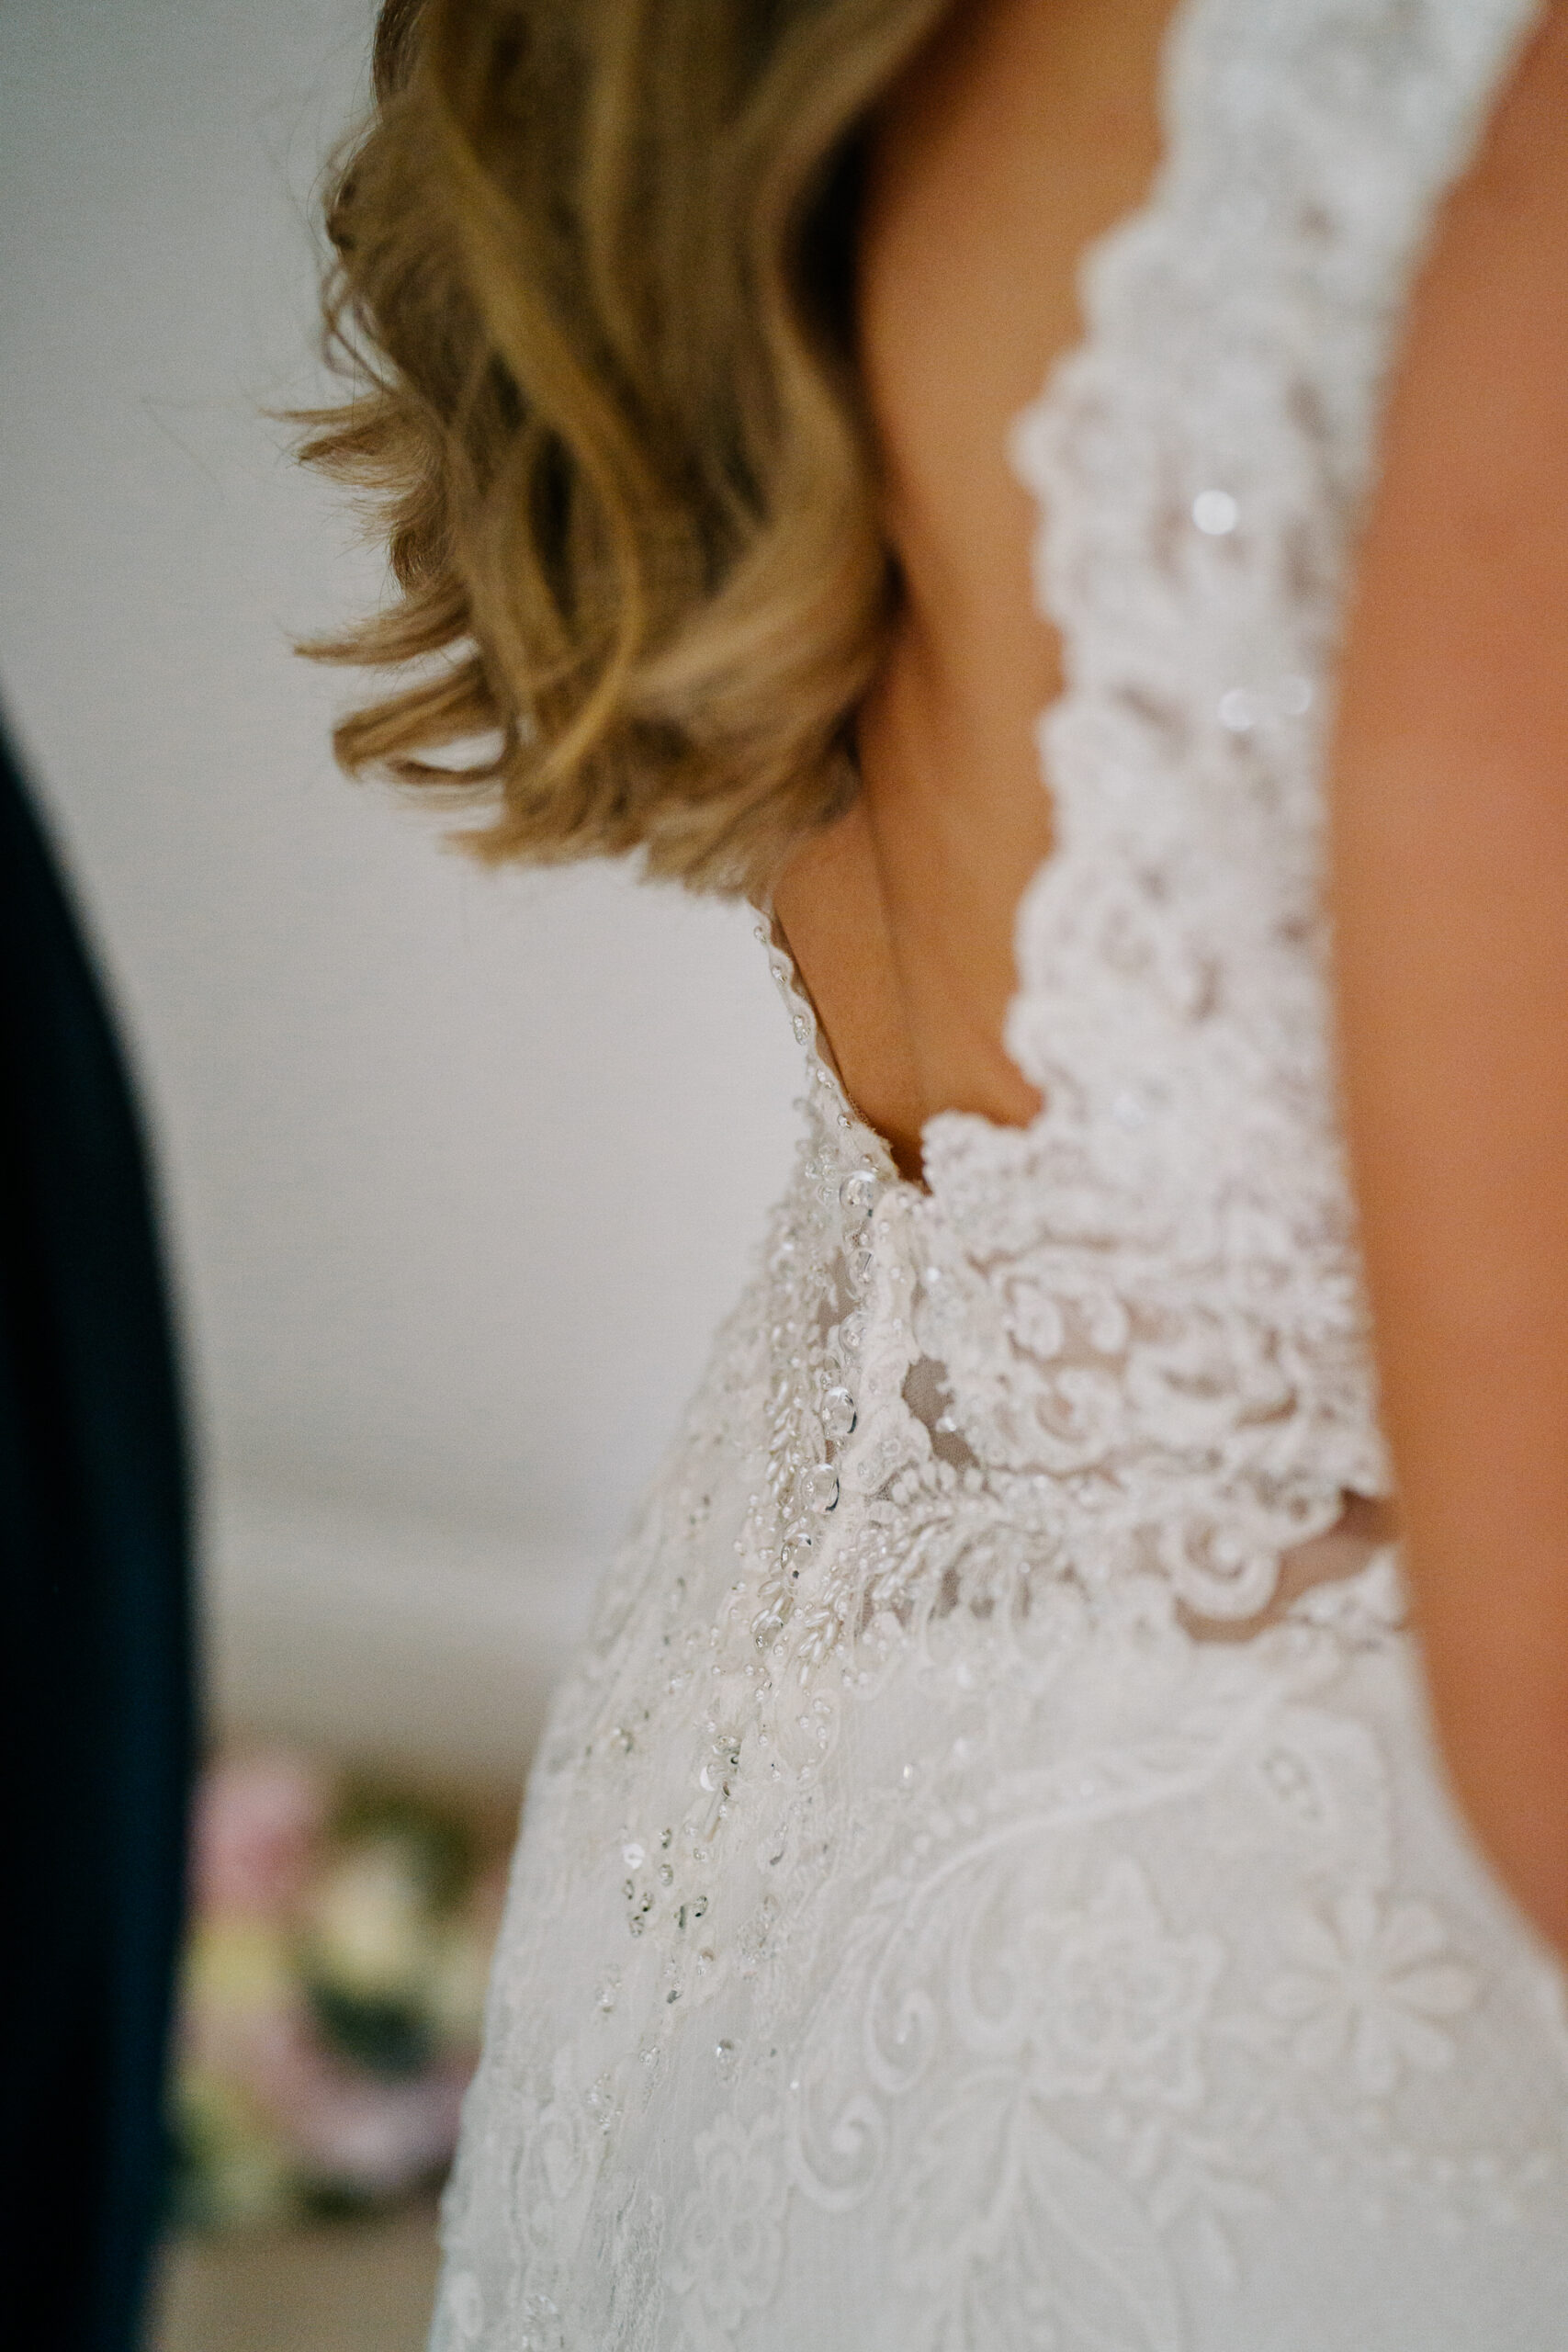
96, 1687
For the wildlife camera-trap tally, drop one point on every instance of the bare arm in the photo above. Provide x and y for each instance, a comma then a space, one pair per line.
1449, 887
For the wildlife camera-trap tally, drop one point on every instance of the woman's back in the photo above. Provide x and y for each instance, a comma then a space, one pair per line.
1021, 135
971, 1895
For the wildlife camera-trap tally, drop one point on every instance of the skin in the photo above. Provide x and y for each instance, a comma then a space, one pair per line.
1450, 898
1024, 130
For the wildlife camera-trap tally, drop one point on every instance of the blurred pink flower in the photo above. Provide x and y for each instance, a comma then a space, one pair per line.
346, 2127
316, 1926
257, 1820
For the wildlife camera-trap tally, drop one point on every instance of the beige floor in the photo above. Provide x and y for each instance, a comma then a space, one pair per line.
355, 2287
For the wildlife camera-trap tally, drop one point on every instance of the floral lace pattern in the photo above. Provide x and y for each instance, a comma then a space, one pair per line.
926, 1935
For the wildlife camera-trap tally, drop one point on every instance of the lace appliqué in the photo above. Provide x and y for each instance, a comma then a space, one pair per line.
913, 1895
1086, 2026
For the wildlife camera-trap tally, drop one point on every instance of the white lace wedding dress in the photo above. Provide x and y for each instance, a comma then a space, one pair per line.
956, 1913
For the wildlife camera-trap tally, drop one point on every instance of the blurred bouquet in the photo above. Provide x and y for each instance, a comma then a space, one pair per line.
334, 1992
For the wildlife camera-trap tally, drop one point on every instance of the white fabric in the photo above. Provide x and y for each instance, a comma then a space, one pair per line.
928, 1936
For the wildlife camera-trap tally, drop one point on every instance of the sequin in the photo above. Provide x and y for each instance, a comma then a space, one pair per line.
818, 1487
1215, 513
839, 1414
857, 1194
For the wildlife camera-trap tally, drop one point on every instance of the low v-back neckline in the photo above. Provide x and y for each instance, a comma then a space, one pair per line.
1039, 416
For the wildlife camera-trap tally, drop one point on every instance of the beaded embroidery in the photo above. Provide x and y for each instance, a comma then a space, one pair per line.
924, 1937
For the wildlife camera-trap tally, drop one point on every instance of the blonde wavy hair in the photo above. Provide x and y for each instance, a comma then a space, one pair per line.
593, 275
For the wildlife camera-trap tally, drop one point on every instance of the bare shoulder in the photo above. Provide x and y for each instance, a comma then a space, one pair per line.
1449, 888
1481, 393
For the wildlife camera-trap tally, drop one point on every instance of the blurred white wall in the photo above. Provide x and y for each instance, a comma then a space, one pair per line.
460, 1172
